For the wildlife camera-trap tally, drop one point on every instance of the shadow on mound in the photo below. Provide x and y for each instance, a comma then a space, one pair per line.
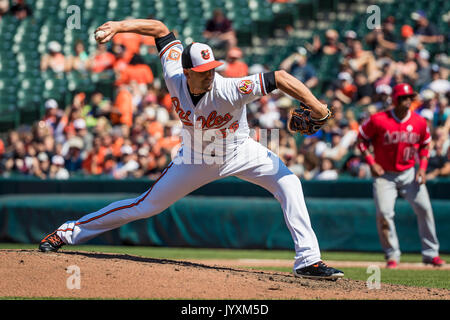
126, 257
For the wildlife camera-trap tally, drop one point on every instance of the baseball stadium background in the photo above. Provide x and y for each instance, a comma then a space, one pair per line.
77, 131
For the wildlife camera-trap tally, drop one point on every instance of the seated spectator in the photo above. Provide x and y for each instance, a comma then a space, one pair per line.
382, 99
234, 66
79, 61
363, 61
121, 61
341, 141
349, 37
146, 161
51, 113
423, 68
122, 110
20, 9
331, 45
82, 132
219, 31
4, 8
54, 60
384, 36
439, 82
269, 115
97, 107
345, 90
438, 161
297, 65
127, 163
137, 71
364, 90
388, 70
73, 159
102, 60
408, 67
327, 170
57, 170
442, 112
131, 42
424, 29
409, 41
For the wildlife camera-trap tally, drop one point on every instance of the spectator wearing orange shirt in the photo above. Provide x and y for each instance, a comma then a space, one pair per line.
132, 43
102, 60
121, 61
122, 111
346, 89
93, 164
235, 67
136, 71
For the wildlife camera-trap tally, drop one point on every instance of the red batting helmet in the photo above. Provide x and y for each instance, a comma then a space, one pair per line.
402, 89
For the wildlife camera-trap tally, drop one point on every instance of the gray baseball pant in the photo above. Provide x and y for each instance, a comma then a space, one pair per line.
386, 189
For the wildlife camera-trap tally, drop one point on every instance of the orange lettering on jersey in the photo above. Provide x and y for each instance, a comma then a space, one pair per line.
214, 121
184, 116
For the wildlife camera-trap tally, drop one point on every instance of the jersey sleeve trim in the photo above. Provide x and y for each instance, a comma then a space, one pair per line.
363, 134
261, 82
427, 141
170, 45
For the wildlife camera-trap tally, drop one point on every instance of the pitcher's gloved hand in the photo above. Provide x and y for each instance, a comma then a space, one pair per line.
300, 120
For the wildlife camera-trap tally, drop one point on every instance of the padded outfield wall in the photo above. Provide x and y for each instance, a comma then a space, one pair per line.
228, 213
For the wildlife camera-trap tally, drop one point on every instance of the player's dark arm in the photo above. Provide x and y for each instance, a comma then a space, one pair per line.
145, 27
297, 90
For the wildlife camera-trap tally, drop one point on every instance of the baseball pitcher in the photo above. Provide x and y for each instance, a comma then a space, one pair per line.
398, 135
216, 144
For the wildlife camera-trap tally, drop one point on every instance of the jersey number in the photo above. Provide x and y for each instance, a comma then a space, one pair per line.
408, 153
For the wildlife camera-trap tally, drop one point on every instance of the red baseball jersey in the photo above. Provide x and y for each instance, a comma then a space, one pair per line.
396, 142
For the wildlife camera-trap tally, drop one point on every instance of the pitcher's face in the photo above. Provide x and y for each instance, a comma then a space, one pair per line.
200, 82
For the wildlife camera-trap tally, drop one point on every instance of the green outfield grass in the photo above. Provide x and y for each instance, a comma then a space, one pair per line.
431, 278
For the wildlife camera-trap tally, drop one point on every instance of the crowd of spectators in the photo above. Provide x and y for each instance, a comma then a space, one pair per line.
136, 132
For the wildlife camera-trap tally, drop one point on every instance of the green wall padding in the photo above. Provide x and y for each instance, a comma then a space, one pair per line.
227, 187
231, 222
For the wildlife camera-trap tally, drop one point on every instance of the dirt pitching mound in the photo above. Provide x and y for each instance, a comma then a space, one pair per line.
29, 273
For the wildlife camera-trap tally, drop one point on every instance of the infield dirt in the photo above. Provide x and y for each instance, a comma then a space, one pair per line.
29, 273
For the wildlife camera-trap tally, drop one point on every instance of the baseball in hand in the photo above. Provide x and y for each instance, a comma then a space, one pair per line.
100, 35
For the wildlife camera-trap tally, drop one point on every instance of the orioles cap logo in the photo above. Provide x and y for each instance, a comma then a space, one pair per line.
205, 54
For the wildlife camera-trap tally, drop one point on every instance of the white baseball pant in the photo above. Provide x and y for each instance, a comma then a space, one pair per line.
251, 161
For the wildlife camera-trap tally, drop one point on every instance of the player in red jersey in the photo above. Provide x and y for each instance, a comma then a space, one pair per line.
398, 137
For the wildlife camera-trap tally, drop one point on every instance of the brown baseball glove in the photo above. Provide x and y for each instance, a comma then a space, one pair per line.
300, 120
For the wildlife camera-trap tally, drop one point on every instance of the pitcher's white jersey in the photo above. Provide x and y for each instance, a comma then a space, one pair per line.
220, 117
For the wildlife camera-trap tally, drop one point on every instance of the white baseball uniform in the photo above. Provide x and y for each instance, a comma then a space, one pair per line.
216, 144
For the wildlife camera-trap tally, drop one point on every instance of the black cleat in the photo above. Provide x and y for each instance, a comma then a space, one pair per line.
51, 243
319, 270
